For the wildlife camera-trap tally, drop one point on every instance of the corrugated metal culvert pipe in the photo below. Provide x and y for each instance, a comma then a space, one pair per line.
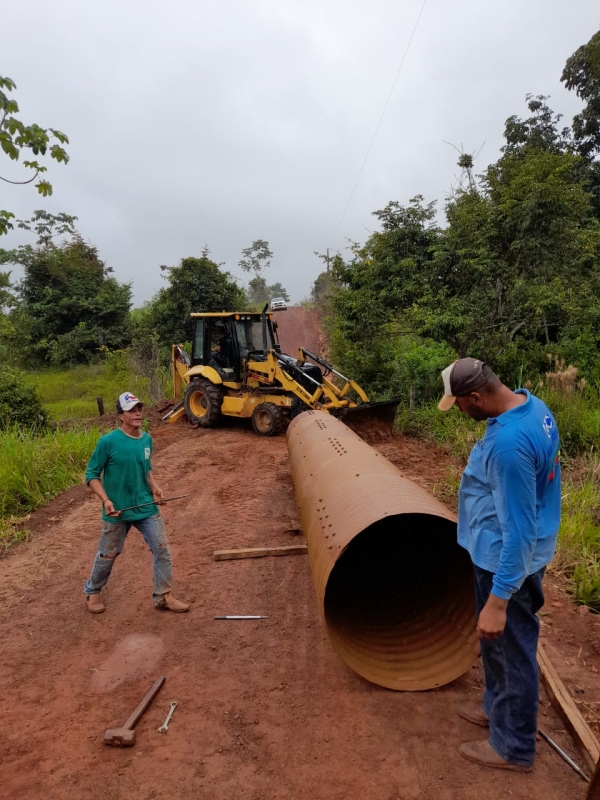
394, 587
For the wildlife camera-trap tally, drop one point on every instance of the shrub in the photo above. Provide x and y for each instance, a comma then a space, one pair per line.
20, 404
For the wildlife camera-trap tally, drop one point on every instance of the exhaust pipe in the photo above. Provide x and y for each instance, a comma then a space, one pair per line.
394, 588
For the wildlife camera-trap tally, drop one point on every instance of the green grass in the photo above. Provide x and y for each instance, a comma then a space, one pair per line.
36, 468
578, 551
453, 430
577, 416
72, 393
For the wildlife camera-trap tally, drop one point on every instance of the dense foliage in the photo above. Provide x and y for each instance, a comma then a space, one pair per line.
513, 277
68, 306
20, 403
261, 292
196, 284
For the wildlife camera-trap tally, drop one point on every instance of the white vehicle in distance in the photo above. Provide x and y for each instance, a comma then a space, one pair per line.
278, 304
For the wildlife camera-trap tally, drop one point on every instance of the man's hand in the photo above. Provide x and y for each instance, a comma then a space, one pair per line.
157, 494
109, 508
492, 620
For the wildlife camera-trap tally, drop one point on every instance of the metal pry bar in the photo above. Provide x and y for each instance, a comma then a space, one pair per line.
153, 502
561, 753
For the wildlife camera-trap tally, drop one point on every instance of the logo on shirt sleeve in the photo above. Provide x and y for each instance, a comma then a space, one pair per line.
548, 425
147, 452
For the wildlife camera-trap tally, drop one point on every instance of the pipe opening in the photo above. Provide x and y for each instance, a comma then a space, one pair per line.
399, 603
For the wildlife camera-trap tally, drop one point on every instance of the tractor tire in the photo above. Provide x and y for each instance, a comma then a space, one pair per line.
202, 402
268, 419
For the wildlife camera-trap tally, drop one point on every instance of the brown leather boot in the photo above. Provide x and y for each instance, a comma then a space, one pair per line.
484, 754
473, 712
169, 603
94, 604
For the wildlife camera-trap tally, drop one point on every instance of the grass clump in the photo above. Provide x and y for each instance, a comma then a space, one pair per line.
578, 552
71, 393
34, 468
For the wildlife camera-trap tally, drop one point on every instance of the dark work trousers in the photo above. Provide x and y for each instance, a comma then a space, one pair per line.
511, 671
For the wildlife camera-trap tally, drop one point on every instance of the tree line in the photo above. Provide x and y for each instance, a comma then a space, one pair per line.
69, 308
513, 276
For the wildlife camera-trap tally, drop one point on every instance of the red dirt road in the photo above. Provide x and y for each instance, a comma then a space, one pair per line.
298, 327
266, 709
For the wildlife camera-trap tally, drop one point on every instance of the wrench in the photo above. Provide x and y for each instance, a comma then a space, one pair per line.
165, 726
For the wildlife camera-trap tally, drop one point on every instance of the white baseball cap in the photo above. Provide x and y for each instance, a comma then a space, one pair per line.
127, 401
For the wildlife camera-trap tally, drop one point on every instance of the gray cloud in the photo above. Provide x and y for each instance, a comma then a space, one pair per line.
220, 123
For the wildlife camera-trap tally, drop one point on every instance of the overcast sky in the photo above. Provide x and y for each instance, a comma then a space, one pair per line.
218, 123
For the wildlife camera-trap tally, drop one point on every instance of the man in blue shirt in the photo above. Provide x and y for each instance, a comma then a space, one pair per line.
508, 520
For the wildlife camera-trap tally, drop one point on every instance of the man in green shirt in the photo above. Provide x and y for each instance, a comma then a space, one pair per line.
120, 473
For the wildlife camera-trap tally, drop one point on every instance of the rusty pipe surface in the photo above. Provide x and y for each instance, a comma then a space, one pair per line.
394, 588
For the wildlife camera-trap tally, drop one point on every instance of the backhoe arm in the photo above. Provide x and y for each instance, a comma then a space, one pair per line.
348, 384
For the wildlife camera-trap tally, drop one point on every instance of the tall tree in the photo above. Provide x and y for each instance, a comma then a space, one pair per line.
582, 75
196, 284
540, 131
70, 306
260, 292
257, 257
16, 138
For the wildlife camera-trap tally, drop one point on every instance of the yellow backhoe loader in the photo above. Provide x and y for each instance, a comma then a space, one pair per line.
237, 369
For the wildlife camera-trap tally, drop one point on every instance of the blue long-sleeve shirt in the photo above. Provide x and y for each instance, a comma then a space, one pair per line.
509, 499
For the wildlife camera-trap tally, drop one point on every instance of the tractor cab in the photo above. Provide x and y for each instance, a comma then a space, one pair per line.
224, 341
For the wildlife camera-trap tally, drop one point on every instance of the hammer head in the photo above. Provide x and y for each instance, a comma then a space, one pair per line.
120, 737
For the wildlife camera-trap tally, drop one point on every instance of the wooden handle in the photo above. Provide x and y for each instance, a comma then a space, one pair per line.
149, 697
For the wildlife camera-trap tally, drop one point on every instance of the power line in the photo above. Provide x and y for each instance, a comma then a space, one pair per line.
380, 118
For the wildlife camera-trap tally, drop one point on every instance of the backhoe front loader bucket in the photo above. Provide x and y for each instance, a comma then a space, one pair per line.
370, 419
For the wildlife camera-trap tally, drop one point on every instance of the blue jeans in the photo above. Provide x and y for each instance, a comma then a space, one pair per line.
112, 540
511, 671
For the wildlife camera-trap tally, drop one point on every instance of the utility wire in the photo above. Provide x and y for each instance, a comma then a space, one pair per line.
380, 118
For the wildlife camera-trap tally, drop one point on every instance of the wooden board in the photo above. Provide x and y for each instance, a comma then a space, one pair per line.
570, 714
593, 792
260, 552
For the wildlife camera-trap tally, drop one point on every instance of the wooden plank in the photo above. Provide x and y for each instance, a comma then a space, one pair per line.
260, 552
570, 714
593, 792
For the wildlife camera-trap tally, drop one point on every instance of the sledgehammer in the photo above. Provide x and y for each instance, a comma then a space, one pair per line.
125, 736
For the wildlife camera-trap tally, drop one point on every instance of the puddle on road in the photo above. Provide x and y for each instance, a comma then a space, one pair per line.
134, 655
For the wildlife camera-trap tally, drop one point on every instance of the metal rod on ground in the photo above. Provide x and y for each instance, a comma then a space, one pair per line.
242, 616
560, 752
172, 411
152, 502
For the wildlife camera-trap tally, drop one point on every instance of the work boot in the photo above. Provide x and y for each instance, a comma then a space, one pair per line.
94, 604
169, 603
473, 712
483, 753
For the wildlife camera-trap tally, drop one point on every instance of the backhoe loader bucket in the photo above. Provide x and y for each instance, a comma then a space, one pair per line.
370, 420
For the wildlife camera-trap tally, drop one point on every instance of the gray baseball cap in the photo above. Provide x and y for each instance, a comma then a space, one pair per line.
461, 378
